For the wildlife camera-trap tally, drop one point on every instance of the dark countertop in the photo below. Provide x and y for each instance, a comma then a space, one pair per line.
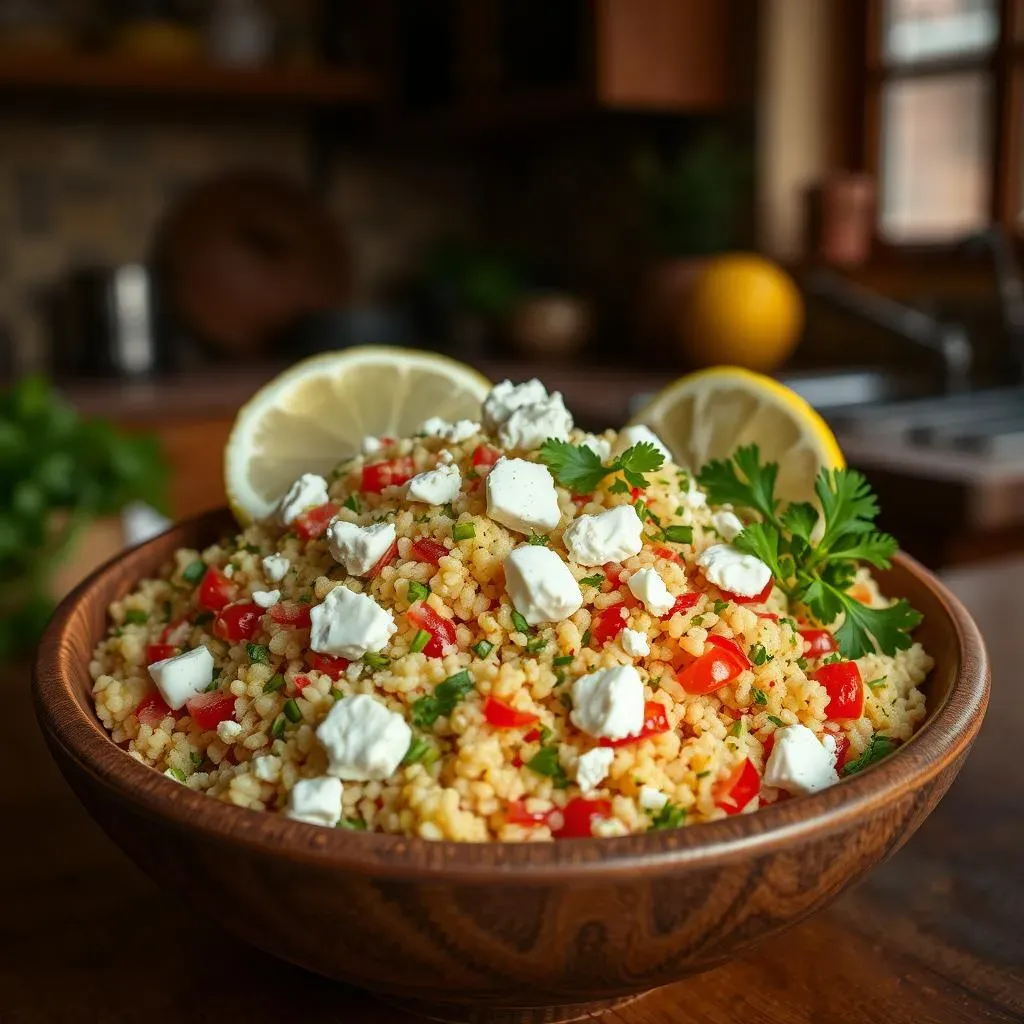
936, 934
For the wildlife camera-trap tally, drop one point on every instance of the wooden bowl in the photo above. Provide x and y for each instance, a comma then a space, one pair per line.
502, 932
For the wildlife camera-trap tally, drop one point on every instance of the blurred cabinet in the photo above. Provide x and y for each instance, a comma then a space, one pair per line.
486, 59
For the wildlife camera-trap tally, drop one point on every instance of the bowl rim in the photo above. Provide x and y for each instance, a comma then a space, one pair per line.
945, 736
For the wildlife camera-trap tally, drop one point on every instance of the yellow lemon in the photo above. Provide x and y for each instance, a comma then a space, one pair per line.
744, 310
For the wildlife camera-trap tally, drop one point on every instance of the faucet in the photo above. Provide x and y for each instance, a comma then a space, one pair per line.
947, 340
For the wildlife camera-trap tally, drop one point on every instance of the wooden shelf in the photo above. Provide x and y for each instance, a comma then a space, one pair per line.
107, 74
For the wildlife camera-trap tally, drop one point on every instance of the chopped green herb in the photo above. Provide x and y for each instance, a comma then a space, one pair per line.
194, 571
519, 624
801, 663
697, 620
376, 661
417, 592
214, 685
545, 762
536, 644
678, 535
203, 618
593, 581
167, 611
775, 720
117, 631
352, 824
877, 683
759, 654
195, 757
539, 540
135, 617
642, 512
335, 693
680, 510
560, 676
545, 735
704, 774
292, 711
566, 700
787, 621
427, 710
175, 773
352, 503
449, 511
305, 599
580, 469
670, 816
277, 729
760, 697
257, 654
586, 639
879, 746
274, 684
471, 475
421, 750
562, 659
736, 729
482, 648
619, 487
251, 549
719, 606
419, 641
463, 531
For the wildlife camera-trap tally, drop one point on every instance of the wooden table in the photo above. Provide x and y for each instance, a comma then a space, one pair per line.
935, 935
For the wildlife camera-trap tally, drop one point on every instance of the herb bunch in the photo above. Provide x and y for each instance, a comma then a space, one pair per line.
580, 469
813, 552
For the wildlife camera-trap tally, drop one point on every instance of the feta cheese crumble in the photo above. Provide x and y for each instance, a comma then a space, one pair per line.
436, 486
652, 799
370, 445
728, 524
733, 570
592, 768
598, 445
610, 536
540, 585
350, 625
228, 731
647, 586
183, 676
635, 643
275, 567
315, 801
799, 762
309, 491
609, 703
460, 430
525, 415
266, 598
364, 739
630, 436
521, 496
359, 548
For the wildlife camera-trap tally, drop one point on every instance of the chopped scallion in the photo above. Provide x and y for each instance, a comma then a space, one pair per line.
536, 644
760, 697
483, 648
775, 720
257, 654
376, 661
463, 531
277, 729
135, 617
562, 659
194, 571
274, 684
336, 693
352, 503
519, 623
593, 581
292, 711
418, 592
419, 641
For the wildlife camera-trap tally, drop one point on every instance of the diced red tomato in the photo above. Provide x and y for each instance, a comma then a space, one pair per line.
634, 493
819, 642
215, 589
332, 667
389, 473
386, 559
532, 736
484, 456
176, 633
517, 814
655, 723
580, 499
845, 689
842, 748
427, 550
727, 644
152, 709
608, 624
613, 573
578, 817
441, 630
504, 716
769, 745
208, 710
756, 599
313, 522
683, 603
301, 682
672, 556
738, 788
713, 669
238, 622
293, 614
158, 652
770, 616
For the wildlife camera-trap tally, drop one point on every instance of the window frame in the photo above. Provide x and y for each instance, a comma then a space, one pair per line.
1005, 66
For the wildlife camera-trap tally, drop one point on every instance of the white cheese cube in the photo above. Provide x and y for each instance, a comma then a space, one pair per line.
635, 643
598, 445
364, 739
461, 430
799, 762
266, 598
540, 585
652, 799
609, 703
611, 536
315, 801
592, 768
521, 496
183, 676
531, 425
275, 567
359, 548
693, 497
733, 570
228, 731
370, 445
506, 397
267, 768
309, 491
350, 625
630, 436
436, 486
647, 586
728, 525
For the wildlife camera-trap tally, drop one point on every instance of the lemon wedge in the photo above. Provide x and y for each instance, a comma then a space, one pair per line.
708, 415
313, 415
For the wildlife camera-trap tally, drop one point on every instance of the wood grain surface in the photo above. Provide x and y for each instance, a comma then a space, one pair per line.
933, 935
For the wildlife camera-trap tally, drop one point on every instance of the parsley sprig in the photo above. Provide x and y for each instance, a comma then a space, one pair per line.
580, 469
814, 552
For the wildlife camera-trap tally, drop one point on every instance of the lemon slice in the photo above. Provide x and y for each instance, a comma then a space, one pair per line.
708, 415
309, 418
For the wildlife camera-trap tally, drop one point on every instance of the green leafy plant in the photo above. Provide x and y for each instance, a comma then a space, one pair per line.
814, 551
58, 473
580, 468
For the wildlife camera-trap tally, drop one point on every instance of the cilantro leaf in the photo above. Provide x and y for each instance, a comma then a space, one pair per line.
755, 489
876, 548
800, 519
864, 628
580, 470
545, 762
847, 503
879, 746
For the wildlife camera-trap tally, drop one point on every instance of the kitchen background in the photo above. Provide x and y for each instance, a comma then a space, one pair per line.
194, 194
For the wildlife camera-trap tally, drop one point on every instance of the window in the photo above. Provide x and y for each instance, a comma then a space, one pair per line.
945, 80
